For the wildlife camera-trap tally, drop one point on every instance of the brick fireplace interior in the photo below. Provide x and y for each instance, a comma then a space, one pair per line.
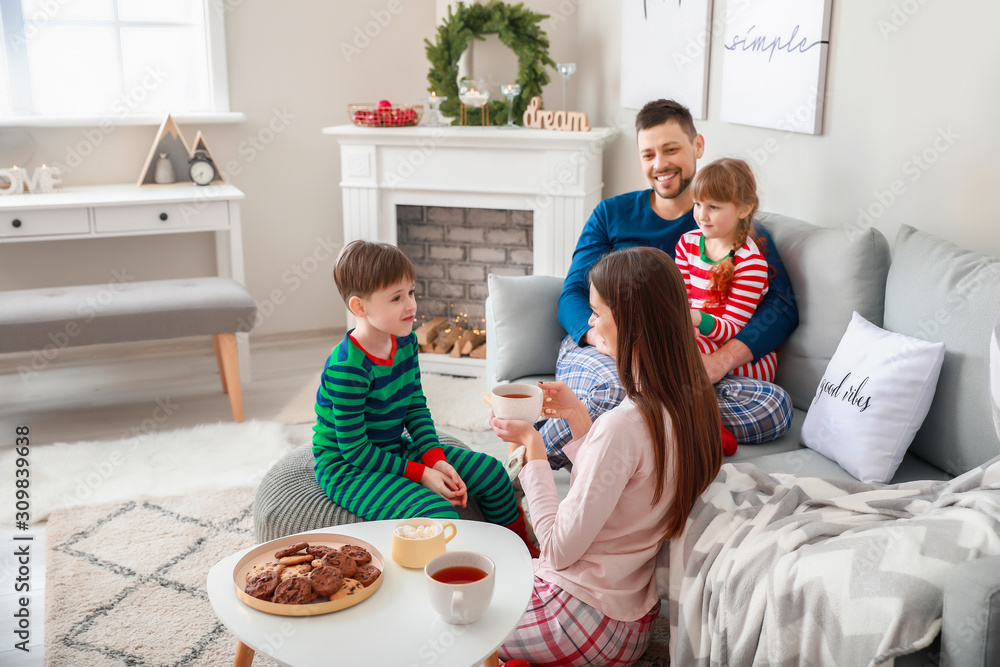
454, 249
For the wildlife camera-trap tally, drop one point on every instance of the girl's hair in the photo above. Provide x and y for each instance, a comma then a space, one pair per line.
727, 180
660, 368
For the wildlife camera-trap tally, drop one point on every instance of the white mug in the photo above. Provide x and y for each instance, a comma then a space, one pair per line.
524, 409
460, 603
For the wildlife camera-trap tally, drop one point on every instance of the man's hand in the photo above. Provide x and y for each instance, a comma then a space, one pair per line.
591, 338
731, 355
436, 481
454, 482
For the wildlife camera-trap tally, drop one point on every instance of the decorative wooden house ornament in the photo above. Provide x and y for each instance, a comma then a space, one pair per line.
540, 119
169, 140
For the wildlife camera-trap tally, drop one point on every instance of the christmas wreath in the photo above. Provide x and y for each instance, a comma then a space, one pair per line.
516, 27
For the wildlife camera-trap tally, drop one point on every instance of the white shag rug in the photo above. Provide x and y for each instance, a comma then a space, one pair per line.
453, 401
206, 457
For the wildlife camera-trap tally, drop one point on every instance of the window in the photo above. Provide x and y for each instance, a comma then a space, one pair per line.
111, 58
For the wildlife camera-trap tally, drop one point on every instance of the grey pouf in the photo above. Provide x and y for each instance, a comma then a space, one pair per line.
289, 499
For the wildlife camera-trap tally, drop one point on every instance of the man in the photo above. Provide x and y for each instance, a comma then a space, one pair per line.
669, 147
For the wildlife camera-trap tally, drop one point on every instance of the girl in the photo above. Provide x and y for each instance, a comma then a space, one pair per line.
723, 268
637, 471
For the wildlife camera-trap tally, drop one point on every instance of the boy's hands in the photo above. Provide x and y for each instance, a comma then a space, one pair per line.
443, 484
454, 483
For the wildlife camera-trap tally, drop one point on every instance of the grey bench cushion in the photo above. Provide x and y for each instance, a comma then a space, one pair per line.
121, 312
289, 499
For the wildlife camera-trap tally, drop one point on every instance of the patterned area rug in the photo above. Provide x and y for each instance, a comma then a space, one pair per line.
126, 583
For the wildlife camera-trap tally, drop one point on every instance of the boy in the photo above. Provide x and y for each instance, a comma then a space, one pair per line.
370, 391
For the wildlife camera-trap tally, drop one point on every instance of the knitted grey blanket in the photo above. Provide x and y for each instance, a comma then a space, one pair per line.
779, 570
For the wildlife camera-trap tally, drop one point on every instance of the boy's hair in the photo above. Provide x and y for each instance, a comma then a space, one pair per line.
659, 112
365, 267
728, 180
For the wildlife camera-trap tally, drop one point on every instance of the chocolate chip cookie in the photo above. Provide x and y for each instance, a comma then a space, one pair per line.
344, 563
326, 580
360, 556
289, 551
367, 574
296, 590
262, 586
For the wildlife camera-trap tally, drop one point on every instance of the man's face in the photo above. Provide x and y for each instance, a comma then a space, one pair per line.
668, 158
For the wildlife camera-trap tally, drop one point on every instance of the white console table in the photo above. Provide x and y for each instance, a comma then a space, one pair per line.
103, 211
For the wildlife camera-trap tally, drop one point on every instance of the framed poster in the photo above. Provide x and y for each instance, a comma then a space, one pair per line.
774, 64
665, 47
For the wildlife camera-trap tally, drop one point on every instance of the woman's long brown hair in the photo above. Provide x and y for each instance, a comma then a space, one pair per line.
660, 367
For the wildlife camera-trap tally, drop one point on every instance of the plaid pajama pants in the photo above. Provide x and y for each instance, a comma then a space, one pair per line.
753, 410
557, 629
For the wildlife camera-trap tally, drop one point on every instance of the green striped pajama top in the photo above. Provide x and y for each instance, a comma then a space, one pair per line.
364, 403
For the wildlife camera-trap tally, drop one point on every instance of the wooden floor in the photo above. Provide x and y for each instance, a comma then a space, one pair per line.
107, 392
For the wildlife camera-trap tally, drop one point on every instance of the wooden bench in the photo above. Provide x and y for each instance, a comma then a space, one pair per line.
36, 319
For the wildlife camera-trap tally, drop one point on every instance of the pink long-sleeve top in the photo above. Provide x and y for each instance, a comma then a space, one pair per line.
599, 544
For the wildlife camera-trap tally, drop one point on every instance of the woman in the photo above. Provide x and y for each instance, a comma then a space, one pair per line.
637, 471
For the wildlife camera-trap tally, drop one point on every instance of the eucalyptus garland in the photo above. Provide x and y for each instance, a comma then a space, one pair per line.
517, 28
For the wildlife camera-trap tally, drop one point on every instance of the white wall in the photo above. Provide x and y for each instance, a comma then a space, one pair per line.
285, 57
896, 82
888, 97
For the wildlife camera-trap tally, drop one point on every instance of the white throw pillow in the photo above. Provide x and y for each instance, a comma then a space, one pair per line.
873, 397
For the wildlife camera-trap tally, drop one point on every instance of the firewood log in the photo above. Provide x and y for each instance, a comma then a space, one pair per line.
479, 352
446, 339
473, 343
456, 350
428, 331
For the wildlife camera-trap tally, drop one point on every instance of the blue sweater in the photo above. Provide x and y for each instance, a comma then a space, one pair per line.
628, 220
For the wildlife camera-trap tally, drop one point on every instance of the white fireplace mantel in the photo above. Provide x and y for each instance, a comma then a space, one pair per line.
555, 175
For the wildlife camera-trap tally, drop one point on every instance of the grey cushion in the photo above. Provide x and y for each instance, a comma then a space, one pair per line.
122, 311
809, 463
940, 292
833, 273
289, 500
522, 327
787, 455
788, 442
971, 628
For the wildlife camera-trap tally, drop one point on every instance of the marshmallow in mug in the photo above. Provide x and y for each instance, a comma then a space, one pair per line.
417, 532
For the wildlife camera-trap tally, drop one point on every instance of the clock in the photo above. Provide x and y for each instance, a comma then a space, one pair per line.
201, 168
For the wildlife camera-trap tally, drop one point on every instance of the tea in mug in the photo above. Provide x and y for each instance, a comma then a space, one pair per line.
517, 395
459, 574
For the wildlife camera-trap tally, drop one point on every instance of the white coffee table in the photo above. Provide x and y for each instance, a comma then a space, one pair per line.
396, 625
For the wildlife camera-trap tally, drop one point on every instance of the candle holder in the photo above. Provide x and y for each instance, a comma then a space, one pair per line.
434, 118
510, 91
566, 70
473, 93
